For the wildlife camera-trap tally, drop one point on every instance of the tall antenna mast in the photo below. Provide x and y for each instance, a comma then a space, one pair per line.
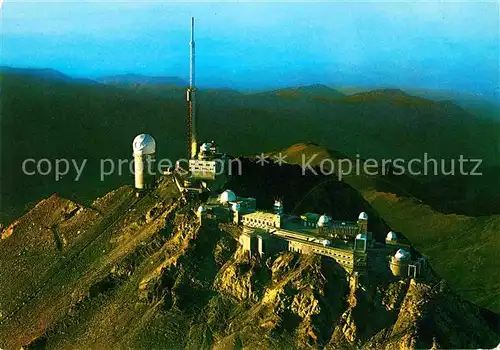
191, 99
192, 56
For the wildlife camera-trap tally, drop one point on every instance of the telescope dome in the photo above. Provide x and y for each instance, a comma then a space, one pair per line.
323, 220
402, 254
144, 144
205, 147
363, 216
227, 196
391, 236
236, 207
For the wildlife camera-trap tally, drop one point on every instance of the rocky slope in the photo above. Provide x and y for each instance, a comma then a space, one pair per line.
307, 301
142, 273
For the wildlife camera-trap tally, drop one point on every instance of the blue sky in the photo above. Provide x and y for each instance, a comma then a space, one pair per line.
436, 45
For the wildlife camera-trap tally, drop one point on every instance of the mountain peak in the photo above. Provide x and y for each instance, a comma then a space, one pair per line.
316, 91
48, 74
382, 92
388, 95
38, 72
314, 87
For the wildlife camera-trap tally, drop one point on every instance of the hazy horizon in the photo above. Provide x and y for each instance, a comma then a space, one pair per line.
264, 45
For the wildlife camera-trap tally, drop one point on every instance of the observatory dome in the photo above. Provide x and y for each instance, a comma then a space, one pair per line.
391, 236
402, 254
205, 147
144, 144
323, 220
363, 216
227, 196
362, 236
236, 207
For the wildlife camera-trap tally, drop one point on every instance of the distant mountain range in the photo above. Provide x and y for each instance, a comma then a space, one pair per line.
488, 106
141, 79
45, 73
466, 100
44, 111
312, 91
482, 105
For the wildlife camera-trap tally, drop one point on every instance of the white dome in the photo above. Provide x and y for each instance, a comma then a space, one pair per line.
362, 236
402, 254
201, 209
205, 147
363, 216
235, 207
227, 196
144, 144
323, 220
391, 236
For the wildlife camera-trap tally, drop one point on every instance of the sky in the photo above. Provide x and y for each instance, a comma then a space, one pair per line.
406, 44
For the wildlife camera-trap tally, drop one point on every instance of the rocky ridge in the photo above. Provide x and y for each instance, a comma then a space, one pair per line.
141, 272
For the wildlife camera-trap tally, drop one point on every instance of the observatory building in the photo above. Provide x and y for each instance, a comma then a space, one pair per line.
335, 228
400, 262
349, 243
144, 147
209, 162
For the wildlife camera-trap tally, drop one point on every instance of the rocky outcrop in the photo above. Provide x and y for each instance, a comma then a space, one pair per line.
143, 273
433, 316
239, 277
308, 301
